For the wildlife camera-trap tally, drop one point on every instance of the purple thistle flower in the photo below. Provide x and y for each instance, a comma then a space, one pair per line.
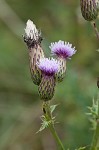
62, 49
48, 66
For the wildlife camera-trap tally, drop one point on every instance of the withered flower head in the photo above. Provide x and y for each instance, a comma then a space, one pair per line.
32, 38
32, 35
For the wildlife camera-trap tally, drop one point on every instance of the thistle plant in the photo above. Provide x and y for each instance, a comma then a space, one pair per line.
46, 72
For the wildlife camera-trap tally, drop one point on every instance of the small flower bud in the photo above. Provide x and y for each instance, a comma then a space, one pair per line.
89, 9
47, 86
33, 40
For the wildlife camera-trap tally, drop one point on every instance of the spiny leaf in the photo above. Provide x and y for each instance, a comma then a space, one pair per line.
41, 128
44, 124
52, 108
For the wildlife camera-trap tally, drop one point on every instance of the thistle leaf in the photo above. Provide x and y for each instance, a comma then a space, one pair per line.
52, 108
44, 124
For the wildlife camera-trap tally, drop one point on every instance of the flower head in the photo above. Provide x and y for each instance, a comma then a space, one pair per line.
62, 49
48, 66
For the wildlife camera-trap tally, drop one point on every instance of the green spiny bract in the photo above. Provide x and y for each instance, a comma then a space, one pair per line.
47, 88
35, 54
59, 76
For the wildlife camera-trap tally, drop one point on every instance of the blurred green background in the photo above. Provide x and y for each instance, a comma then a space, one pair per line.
20, 106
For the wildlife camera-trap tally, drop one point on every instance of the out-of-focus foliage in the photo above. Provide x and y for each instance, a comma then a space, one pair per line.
20, 106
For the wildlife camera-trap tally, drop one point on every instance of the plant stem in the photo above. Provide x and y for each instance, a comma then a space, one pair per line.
48, 116
55, 135
95, 138
96, 133
95, 29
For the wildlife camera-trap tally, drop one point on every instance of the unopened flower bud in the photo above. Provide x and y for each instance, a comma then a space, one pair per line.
63, 51
33, 40
89, 9
47, 86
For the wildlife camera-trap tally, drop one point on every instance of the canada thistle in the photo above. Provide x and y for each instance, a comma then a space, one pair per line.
63, 51
33, 40
48, 68
89, 9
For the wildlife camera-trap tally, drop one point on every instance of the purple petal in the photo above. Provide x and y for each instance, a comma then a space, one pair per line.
62, 49
48, 66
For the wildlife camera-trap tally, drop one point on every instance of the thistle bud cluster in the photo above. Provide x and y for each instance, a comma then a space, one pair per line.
46, 72
89, 9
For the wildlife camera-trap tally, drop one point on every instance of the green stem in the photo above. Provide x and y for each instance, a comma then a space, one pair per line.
95, 138
48, 116
55, 135
95, 29
96, 133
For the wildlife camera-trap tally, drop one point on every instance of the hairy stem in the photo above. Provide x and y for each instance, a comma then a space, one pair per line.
95, 138
48, 116
55, 135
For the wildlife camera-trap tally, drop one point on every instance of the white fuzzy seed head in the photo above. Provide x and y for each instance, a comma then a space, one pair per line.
31, 30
